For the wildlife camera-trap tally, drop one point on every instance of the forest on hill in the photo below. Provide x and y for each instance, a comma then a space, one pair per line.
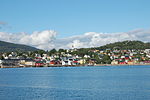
9, 47
126, 45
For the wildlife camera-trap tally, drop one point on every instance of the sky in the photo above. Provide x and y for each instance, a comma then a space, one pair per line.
48, 24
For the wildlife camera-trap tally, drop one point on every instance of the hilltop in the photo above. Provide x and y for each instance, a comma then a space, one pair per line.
126, 45
8, 47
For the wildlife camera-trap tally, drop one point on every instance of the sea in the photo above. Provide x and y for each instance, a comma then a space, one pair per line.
76, 83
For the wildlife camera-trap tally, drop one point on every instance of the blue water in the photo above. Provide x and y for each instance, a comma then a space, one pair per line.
76, 83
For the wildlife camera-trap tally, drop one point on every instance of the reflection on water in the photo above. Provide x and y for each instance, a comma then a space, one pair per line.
76, 83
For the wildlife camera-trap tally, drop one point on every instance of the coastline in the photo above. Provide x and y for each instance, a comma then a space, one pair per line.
75, 65
120, 64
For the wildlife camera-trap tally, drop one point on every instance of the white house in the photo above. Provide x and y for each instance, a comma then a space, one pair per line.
67, 61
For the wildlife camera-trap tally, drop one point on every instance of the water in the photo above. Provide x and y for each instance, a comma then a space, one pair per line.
76, 83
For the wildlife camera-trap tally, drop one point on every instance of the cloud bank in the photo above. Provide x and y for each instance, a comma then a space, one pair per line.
41, 40
93, 39
48, 39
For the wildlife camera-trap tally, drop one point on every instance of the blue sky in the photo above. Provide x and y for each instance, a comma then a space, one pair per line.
75, 17
48, 24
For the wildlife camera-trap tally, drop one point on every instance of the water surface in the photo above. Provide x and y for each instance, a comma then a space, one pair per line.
76, 83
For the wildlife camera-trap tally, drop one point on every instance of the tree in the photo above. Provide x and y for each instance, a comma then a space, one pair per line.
105, 60
53, 51
61, 50
96, 57
1, 57
41, 52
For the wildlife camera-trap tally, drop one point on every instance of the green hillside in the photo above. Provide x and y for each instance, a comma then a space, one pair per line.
126, 45
8, 47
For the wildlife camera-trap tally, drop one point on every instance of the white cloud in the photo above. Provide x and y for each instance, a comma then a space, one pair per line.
93, 39
75, 44
47, 39
42, 40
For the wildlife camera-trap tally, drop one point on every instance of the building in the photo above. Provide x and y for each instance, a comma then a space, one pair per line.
10, 63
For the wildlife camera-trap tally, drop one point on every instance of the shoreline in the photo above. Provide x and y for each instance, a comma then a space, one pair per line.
120, 64
75, 65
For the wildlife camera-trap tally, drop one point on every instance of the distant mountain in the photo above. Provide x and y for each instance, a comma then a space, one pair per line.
8, 47
124, 45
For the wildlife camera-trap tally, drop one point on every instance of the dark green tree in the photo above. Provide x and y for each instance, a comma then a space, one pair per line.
53, 51
1, 57
105, 60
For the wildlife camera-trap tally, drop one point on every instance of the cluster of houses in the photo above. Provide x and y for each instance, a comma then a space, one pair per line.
130, 57
12, 60
65, 59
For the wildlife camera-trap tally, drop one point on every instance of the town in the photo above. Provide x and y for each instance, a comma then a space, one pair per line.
75, 57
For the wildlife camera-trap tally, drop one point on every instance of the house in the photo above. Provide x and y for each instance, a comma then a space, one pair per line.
86, 56
68, 61
122, 63
114, 62
82, 61
29, 62
92, 62
76, 62
65, 62
10, 62
147, 51
54, 62
130, 62
39, 62
0, 63
26, 62
146, 62
127, 59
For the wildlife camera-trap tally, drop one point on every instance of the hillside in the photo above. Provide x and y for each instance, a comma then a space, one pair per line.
126, 45
8, 47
